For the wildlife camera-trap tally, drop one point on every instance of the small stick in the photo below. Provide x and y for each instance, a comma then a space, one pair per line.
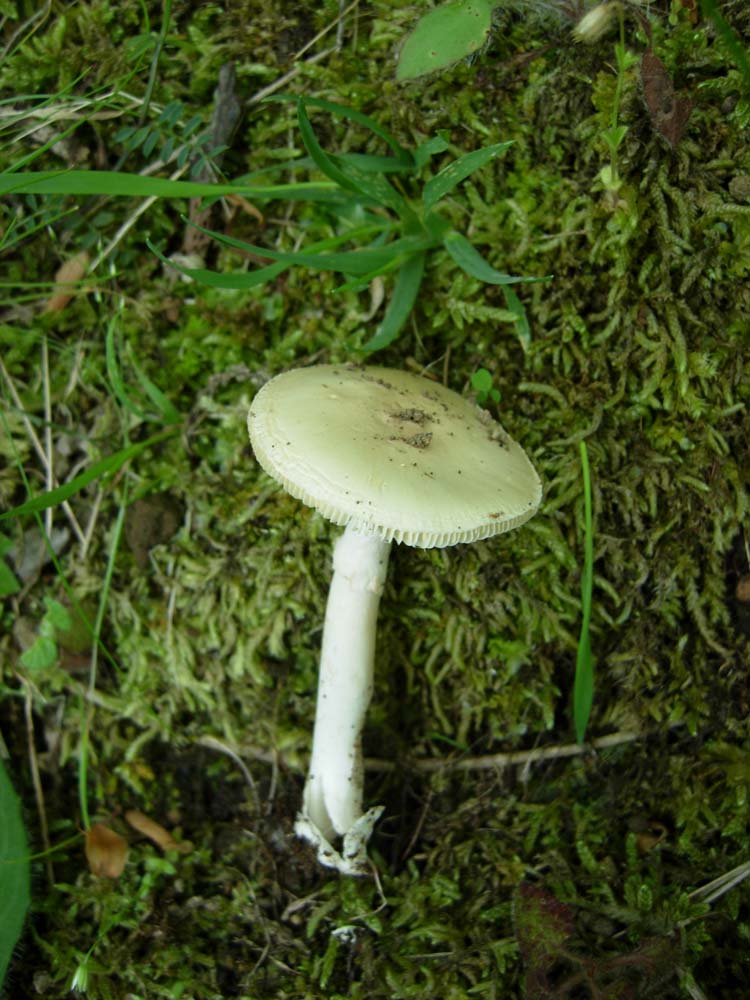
37, 782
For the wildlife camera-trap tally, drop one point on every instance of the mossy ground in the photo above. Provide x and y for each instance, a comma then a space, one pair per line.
639, 345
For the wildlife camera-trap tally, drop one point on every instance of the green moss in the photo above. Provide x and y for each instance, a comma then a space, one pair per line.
639, 343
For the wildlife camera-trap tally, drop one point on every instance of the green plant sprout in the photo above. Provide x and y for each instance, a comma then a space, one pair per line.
401, 227
481, 383
583, 688
614, 135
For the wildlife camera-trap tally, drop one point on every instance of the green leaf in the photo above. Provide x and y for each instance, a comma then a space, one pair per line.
404, 296
53, 497
471, 261
426, 150
613, 136
14, 871
58, 615
451, 175
583, 690
481, 381
445, 35
41, 655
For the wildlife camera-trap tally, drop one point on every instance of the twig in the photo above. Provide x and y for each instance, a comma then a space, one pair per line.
49, 461
213, 744
499, 761
37, 782
336, 23
282, 80
490, 762
131, 221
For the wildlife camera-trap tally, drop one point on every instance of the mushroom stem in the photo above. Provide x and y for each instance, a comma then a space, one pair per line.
332, 803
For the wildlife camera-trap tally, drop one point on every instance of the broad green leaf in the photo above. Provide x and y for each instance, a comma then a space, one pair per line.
14, 871
53, 497
445, 35
41, 654
451, 175
471, 261
404, 296
58, 614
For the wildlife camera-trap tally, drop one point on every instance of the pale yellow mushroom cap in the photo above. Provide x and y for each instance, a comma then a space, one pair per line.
393, 454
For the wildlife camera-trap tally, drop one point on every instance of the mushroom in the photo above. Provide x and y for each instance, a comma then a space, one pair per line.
392, 456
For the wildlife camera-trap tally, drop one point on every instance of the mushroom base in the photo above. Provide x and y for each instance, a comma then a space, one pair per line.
332, 802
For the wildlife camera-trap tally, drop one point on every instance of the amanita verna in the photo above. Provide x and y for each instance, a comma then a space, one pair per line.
393, 457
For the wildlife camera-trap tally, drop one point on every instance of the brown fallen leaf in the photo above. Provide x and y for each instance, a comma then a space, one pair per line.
68, 275
669, 113
155, 832
106, 851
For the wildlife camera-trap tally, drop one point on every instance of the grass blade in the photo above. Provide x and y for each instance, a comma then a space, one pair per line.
112, 184
372, 189
14, 871
583, 690
471, 261
110, 464
732, 42
451, 175
352, 115
522, 327
404, 296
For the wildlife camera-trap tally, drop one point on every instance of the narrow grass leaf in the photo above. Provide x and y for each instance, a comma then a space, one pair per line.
426, 150
8, 583
451, 175
583, 691
167, 412
522, 328
110, 464
359, 261
14, 871
325, 163
112, 184
732, 42
213, 279
404, 296
352, 115
115, 377
472, 262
